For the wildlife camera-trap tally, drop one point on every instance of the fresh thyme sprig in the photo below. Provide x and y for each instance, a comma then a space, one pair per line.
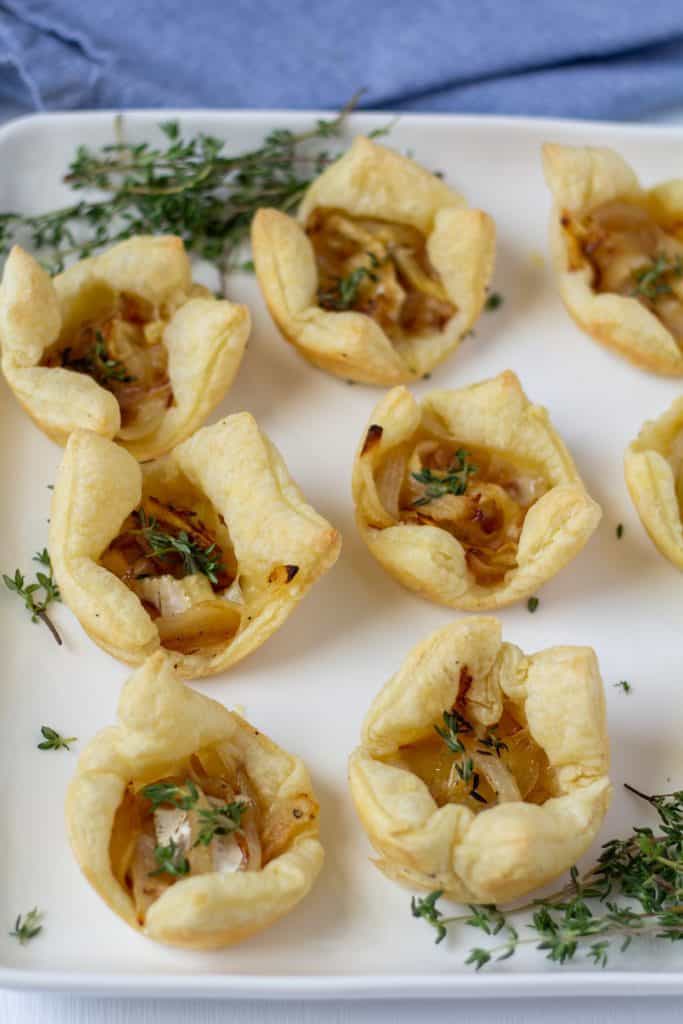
624, 685
453, 481
653, 279
186, 187
455, 726
171, 860
35, 601
344, 292
196, 559
635, 890
26, 928
220, 821
52, 740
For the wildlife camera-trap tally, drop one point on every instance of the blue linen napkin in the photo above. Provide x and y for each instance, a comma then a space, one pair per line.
618, 59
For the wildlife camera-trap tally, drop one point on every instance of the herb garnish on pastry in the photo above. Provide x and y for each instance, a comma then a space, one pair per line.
618, 251
122, 344
482, 771
382, 273
470, 497
191, 824
204, 552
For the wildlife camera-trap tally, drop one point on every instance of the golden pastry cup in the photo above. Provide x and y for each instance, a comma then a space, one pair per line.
373, 181
582, 178
161, 722
506, 849
204, 338
652, 467
494, 415
281, 544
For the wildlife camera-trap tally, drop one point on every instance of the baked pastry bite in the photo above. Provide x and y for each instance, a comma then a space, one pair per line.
382, 273
470, 497
482, 771
653, 466
204, 552
618, 251
122, 344
191, 824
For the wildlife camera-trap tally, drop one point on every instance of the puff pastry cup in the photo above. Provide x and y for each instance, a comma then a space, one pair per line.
540, 796
469, 498
122, 344
382, 273
191, 824
653, 467
618, 251
204, 552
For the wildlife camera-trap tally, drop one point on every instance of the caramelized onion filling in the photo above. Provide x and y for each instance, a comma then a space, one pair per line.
380, 269
630, 254
174, 562
505, 764
211, 820
121, 347
478, 496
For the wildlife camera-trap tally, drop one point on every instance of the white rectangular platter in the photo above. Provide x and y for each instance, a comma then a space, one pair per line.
311, 683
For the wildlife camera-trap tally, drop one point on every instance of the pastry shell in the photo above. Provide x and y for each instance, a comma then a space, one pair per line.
582, 178
508, 849
495, 414
280, 542
652, 466
205, 339
373, 181
162, 721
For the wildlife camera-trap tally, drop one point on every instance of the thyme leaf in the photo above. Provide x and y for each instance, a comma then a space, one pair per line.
455, 725
653, 279
26, 928
52, 740
344, 291
97, 363
493, 301
453, 481
183, 797
171, 860
219, 821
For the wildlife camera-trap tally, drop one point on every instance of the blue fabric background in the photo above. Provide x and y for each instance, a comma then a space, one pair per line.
619, 59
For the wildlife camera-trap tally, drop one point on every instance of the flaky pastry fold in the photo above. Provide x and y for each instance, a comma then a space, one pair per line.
279, 544
161, 724
421, 552
652, 466
505, 849
204, 340
371, 181
582, 180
